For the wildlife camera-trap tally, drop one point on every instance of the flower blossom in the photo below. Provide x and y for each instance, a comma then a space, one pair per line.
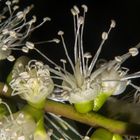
33, 84
86, 82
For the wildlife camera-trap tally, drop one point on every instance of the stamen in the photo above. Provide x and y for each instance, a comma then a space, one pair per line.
104, 37
65, 49
29, 45
84, 7
76, 9
133, 51
25, 49
118, 59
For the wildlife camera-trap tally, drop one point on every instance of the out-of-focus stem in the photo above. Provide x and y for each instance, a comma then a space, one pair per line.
92, 119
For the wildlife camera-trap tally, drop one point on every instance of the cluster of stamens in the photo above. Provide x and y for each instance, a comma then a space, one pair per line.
15, 29
33, 84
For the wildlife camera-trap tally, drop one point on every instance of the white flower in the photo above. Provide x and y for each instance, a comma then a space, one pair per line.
34, 84
15, 29
86, 81
21, 127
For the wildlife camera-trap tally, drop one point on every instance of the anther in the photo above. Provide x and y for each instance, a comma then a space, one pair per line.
20, 15
4, 47
25, 49
87, 55
15, 1
63, 61
85, 7
29, 45
118, 58
76, 9
8, 3
113, 24
104, 35
13, 34
15, 7
46, 19
60, 33
73, 12
56, 40
133, 51
11, 58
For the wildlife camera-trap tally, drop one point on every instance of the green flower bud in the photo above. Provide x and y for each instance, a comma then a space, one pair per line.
101, 134
84, 107
17, 126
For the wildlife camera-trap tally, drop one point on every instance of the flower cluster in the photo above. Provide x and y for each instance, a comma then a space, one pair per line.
21, 127
88, 84
15, 29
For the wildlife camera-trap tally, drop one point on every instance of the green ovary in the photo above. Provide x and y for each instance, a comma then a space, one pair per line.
84, 107
102, 134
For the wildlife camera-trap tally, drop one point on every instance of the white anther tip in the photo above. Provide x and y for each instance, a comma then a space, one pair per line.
56, 40
118, 58
104, 35
46, 19
85, 7
25, 49
60, 32
63, 61
87, 55
76, 9
11, 58
20, 15
29, 45
73, 12
133, 51
8, 2
113, 23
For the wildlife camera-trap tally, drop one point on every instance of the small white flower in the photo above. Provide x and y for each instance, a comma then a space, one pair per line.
15, 29
21, 127
33, 84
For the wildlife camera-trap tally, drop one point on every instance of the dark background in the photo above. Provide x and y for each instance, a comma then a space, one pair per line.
126, 13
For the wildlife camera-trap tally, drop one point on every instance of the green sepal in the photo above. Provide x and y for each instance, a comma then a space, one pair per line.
100, 100
84, 107
38, 105
101, 134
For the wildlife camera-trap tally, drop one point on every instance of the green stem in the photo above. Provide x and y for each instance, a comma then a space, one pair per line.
34, 112
92, 119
